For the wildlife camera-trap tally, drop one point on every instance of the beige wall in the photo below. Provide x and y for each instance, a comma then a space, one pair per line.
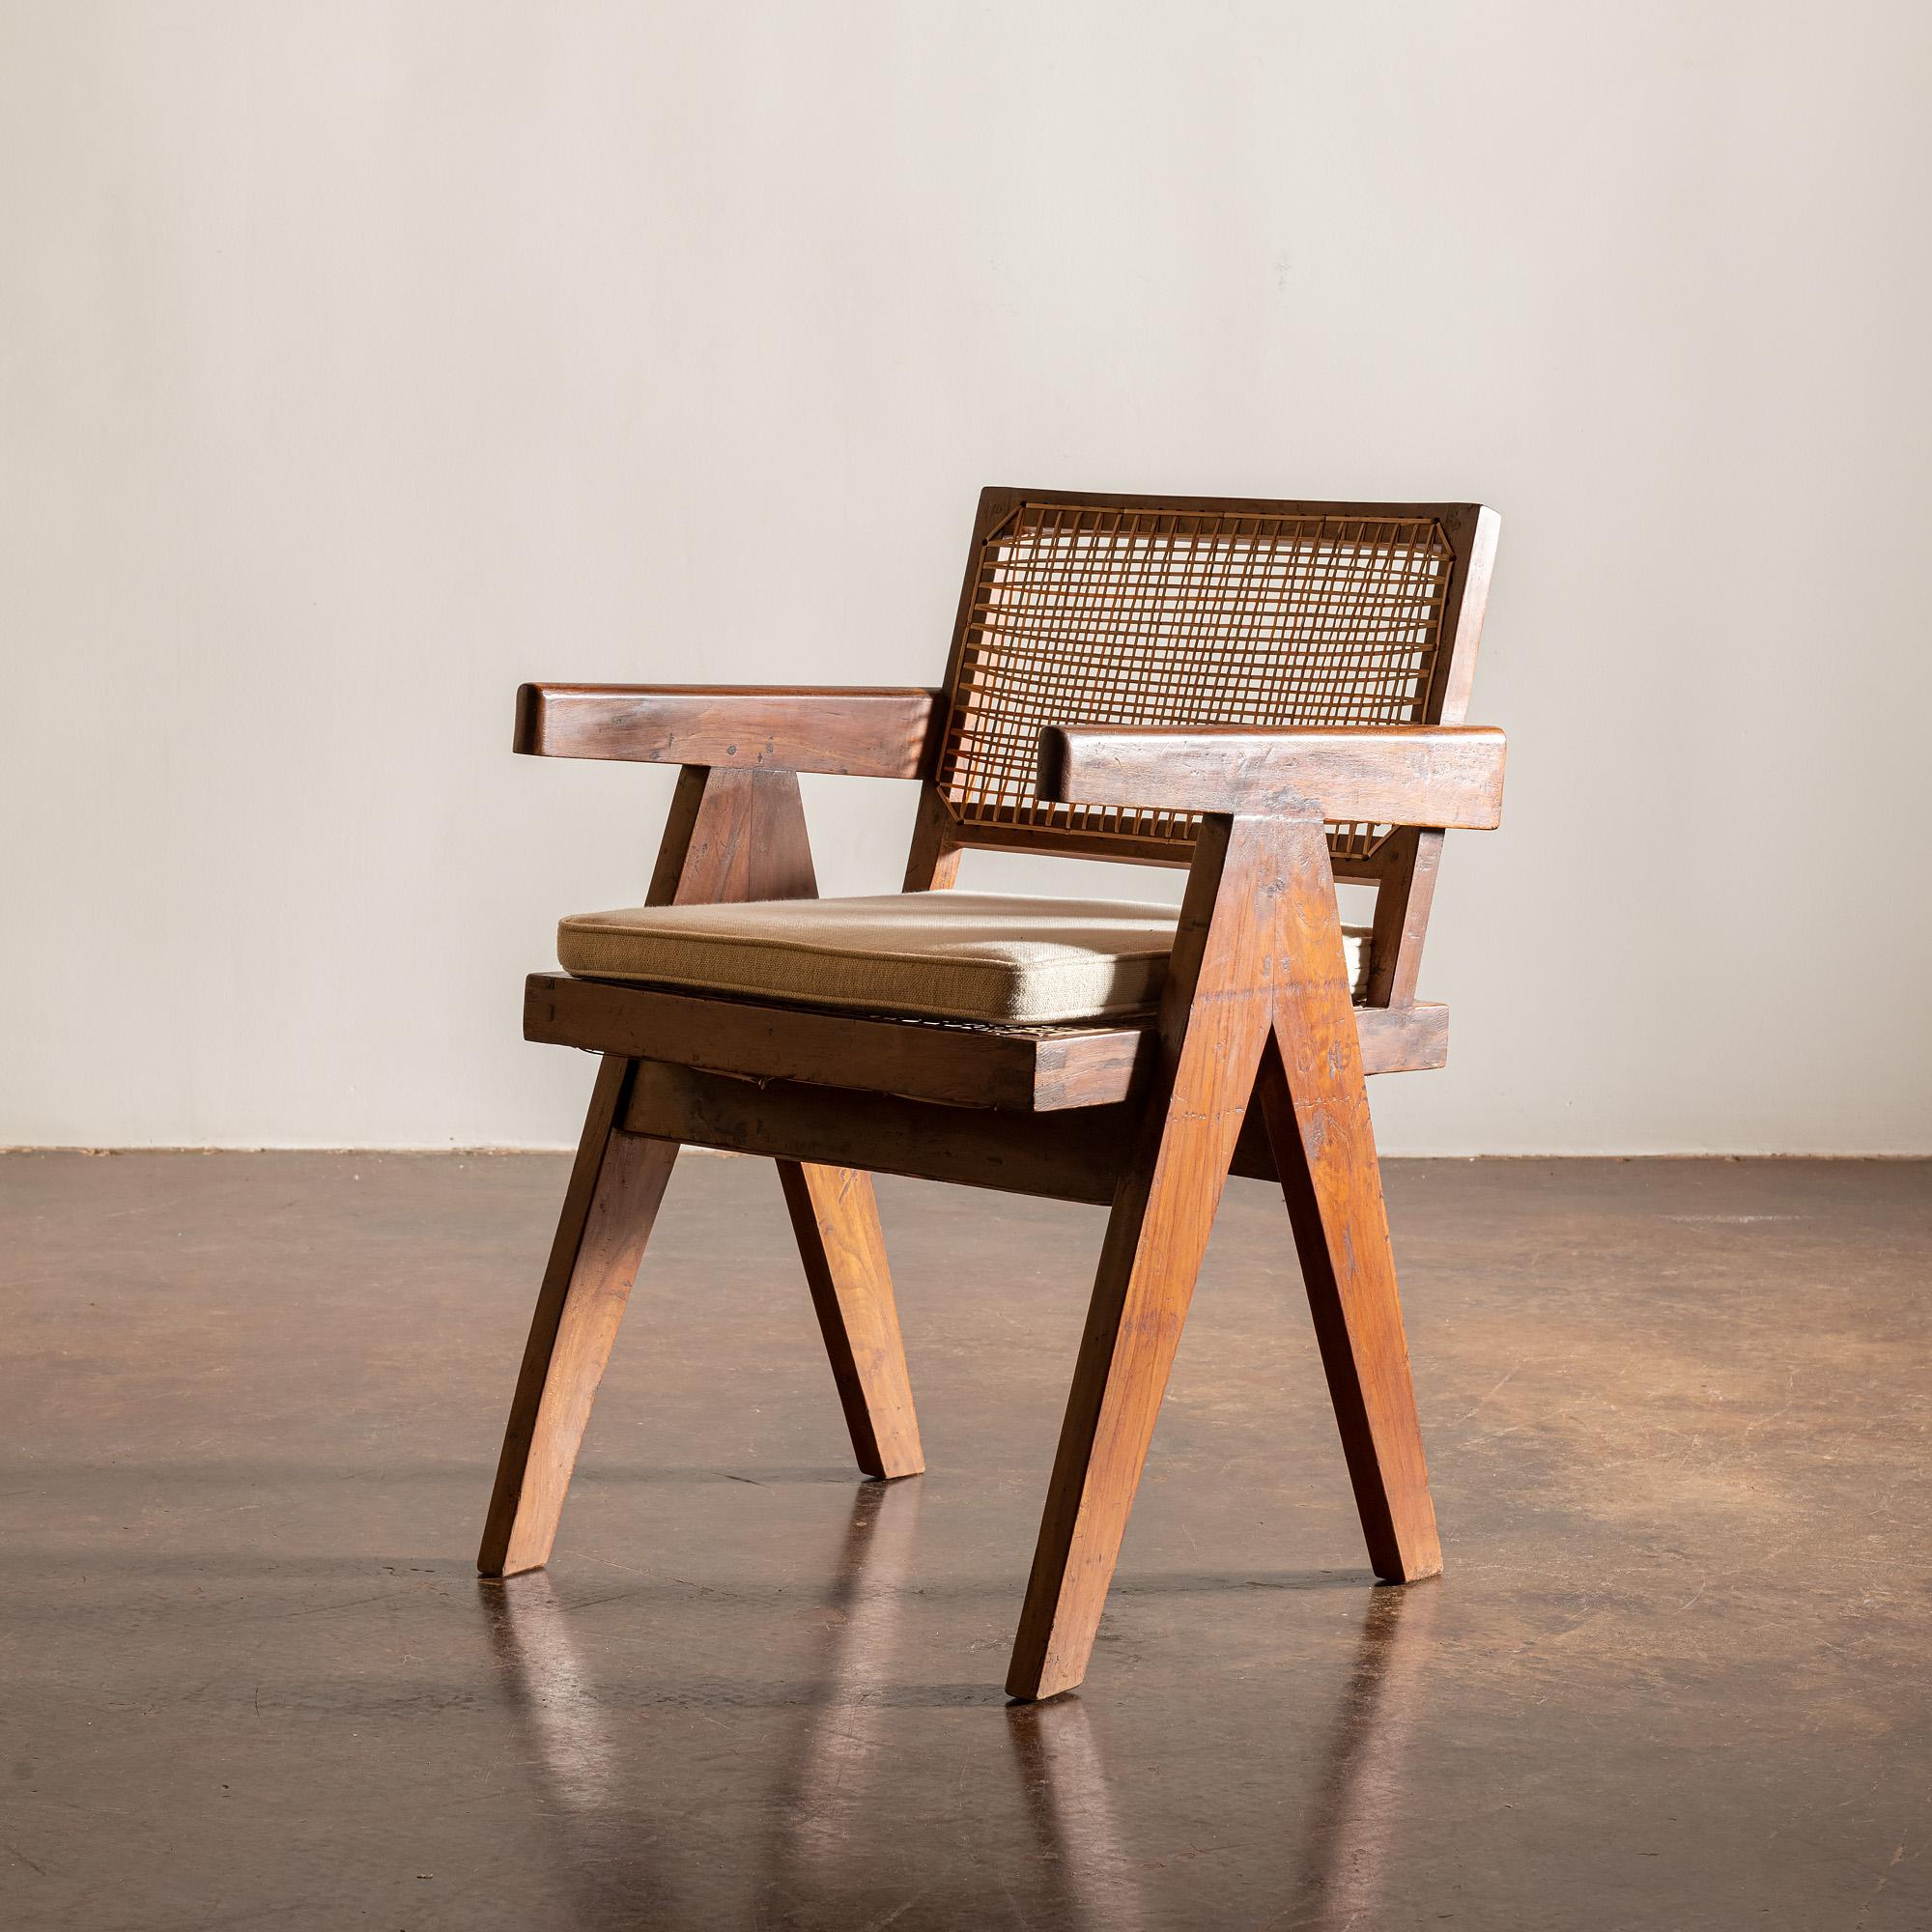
361, 359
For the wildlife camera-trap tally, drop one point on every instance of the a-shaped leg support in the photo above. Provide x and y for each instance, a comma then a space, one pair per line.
1257, 1005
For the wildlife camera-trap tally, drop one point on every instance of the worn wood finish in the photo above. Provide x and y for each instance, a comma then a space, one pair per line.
1404, 775
1402, 1040
611, 1199
721, 825
1013, 1151
1009, 1149
747, 840
1402, 901
1317, 1108
1344, 635
1214, 1024
731, 833
1259, 1009
731, 836
1039, 1068
835, 1218
934, 864
854, 731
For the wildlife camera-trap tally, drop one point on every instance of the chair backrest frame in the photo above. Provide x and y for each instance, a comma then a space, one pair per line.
1160, 610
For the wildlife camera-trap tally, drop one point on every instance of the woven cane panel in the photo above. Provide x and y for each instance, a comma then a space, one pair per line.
1090, 615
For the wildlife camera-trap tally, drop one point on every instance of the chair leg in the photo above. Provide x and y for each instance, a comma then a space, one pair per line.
835, 1218
1317, 1110
612, 1200
1156, 1236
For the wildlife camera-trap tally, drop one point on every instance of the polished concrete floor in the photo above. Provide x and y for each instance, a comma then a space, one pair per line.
1678, 1673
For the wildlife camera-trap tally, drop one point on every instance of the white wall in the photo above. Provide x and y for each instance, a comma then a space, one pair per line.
361, 359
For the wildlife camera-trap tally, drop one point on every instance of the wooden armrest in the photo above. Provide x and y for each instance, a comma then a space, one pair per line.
861, 731
1433, 775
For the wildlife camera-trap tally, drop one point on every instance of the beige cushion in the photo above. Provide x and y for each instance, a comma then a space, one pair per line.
1001, 957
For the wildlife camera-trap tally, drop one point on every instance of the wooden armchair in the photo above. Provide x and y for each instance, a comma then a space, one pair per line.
1269, 694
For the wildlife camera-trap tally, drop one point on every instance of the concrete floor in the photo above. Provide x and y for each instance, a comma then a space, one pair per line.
1675, 1676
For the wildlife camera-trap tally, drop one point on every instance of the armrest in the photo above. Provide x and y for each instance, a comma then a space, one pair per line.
1433, 775
860, 731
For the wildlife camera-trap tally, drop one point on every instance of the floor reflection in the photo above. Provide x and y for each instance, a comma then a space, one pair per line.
823, 1791
853, 1775
841, 1772
1361, 1802
574, 1748
1333, 1878
1071, 1811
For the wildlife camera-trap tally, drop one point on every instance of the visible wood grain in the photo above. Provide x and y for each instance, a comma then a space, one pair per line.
837, 1220
1013, 1151
1401, 775
749, 841
1082, 1067
1402, 1040
1257, 1060
733, 835
711, 842
856, 731
612, 1200
1397, 1039
932, 866
1214, 1022
1039, 1069
1402, 901
1316, 1110
1009, 1149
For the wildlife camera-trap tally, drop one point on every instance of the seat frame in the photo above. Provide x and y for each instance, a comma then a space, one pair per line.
1253, 1064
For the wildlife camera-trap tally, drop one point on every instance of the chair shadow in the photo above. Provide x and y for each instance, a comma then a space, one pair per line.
822, 1803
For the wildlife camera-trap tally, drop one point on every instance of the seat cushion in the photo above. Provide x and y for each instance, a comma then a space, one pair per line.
1003, 958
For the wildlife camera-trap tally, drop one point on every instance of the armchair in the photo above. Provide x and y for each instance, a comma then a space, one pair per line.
1269, 694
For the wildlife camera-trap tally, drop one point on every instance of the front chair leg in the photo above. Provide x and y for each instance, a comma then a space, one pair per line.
836, 1217
1155, 1240
1214, 1024
613, 1198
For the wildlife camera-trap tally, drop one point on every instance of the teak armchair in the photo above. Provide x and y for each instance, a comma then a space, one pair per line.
1269, 694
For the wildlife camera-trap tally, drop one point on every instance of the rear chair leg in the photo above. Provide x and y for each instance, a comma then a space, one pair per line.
1316, 1110
836, 1217
612, 1200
